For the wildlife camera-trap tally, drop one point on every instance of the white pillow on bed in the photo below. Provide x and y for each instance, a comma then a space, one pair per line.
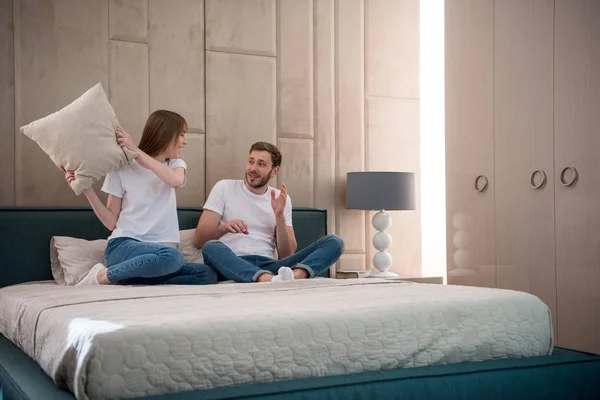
82, 137
72, 258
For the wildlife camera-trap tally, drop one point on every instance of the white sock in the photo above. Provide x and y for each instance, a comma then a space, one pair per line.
92, 277
284, 274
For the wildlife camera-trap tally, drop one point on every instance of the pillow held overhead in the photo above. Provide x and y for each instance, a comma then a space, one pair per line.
82, 137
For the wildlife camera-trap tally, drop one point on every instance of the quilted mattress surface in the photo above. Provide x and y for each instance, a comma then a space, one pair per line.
113, 342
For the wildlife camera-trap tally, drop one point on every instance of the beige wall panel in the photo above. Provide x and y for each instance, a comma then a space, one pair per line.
129, 85
392, 48
7, 106
295, 87
393, 145
194, 153
128, 20
297, 170
61, 50
350, 116
349, 261
524, 142
176, 39
577, 140
470, 222
240, 110
241, 26
324, 54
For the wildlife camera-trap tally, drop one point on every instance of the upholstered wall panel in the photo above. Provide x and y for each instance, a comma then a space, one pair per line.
240, 110
241, 26
298, 174
295, 85
61, 50
128, 20
176, 36
7, 106
129, 85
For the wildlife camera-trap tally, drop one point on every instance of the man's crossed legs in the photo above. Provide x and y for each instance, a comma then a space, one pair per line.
306, 263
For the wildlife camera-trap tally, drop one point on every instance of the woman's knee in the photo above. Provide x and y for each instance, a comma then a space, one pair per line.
172, 259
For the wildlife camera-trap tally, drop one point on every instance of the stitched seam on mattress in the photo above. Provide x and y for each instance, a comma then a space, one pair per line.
35, 332
379, 380
299, 289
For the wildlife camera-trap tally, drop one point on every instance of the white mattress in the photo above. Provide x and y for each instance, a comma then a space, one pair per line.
116, 342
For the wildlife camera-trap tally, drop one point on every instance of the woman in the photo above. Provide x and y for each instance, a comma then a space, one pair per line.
141, 211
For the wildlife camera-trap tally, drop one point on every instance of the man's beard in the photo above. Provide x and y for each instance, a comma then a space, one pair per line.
265, 180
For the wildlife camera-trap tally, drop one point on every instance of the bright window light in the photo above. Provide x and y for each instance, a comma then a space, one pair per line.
433, 170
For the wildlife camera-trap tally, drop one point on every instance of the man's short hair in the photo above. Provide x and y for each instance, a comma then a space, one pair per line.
271, 148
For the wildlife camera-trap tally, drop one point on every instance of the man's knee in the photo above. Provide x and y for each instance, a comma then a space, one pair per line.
336, 242
211, 246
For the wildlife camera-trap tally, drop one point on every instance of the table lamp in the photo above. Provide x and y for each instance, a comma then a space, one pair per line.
381, 191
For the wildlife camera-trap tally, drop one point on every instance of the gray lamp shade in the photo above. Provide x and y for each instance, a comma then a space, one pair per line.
380, 191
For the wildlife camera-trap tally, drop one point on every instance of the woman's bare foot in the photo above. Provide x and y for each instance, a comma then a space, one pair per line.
102, 278
96, 276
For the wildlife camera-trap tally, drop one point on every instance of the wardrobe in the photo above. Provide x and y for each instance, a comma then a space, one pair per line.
523, 154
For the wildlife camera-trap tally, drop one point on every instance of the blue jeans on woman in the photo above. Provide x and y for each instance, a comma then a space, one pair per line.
133, 262
314, 259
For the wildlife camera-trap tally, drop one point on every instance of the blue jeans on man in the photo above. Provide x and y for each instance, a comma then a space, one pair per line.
314, 258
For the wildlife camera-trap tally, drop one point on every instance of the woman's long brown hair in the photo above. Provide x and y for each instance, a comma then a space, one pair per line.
162, 127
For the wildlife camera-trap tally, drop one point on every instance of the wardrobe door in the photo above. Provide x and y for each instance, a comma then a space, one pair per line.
577, 161
524, 145
469, 142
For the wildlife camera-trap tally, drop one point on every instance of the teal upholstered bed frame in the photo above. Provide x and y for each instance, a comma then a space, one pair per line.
25, 235
24, 256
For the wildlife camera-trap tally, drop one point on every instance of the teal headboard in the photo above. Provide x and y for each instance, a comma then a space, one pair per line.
25, 234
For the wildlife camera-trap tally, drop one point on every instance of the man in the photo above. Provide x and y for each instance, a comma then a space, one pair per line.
245, 220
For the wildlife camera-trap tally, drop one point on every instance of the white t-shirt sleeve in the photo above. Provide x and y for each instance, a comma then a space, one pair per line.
179, 163
287, 211
113, 184
216, 198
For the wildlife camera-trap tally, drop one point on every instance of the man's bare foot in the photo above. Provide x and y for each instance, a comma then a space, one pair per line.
300, 273
265, 278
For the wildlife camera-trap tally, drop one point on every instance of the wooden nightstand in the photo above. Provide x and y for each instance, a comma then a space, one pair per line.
364, 274
430, 279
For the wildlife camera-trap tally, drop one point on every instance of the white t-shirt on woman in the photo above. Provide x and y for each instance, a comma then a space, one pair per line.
149, 207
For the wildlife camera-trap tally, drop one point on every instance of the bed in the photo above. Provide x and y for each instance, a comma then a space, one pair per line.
308, 339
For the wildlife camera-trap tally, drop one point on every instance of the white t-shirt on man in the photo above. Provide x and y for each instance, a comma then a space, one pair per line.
149, 207
232, 200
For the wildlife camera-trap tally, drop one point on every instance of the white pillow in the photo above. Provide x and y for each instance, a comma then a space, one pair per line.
71, 259
82, 137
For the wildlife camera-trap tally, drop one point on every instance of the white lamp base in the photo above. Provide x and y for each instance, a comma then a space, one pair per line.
383, 274
382, 240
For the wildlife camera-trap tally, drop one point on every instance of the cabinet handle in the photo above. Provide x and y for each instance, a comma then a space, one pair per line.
483, 188
532, 179
562, 176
